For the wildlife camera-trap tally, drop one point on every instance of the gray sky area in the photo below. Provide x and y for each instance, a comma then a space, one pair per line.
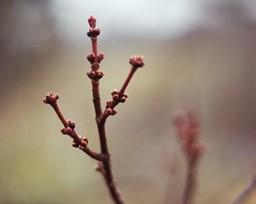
157, 18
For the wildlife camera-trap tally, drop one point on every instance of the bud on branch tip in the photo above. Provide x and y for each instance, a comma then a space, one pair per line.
136, 61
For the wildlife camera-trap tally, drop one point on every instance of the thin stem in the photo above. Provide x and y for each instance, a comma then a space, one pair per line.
94, 46
96, 98
127, 81
108, 174
120, 96
190, 183
188, 129
59, 114
69, 129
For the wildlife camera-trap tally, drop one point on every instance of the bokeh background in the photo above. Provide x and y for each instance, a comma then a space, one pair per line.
200, 55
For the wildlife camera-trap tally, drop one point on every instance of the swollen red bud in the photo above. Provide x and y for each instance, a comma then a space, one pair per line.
136, 61
92, 21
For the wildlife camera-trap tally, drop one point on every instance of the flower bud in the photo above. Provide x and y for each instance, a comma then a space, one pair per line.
136, 61
91, 58
92, 21
100, 57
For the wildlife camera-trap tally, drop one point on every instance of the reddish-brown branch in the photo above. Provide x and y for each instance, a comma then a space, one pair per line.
95, 75
191, 182
69, 129
96, 98
127, 81
187, 127
120, 96
95, 66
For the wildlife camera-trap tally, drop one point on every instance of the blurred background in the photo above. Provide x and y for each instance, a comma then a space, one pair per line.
199, 54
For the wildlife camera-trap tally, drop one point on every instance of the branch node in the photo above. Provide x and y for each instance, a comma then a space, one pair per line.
66, 131
93, 32
71, 124
110, 111
95, 75
91, 58
100, 168
117, 97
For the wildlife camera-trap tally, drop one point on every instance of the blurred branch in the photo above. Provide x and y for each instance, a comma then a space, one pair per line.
172, 193
187, 128
246, 193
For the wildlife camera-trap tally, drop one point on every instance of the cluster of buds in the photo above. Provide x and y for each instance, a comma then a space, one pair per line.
117, 98
94, 58
78, 142
136, 61
93, 30
51, 99
69, 126
188, 130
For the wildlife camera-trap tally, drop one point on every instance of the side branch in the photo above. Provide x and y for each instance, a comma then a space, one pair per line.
120, 96
69, 129
246, 193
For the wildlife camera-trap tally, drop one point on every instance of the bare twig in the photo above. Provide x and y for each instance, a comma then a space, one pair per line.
246, 193
95, 75
187, 128
69, 129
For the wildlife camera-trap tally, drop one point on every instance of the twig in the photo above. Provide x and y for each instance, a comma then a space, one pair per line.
246, 193
69, 129
187, 128
117, 97
95, 74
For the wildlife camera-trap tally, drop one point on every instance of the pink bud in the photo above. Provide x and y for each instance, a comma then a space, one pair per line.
92, 21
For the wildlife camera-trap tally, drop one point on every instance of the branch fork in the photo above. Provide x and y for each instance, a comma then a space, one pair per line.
118, 96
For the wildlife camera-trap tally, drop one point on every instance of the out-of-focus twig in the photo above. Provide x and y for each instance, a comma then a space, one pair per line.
187, 128
246, 193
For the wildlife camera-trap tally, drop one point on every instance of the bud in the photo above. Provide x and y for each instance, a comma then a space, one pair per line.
91, 58
93, 32
71, 124
100, 57
50, 98
92, 21
136, 61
